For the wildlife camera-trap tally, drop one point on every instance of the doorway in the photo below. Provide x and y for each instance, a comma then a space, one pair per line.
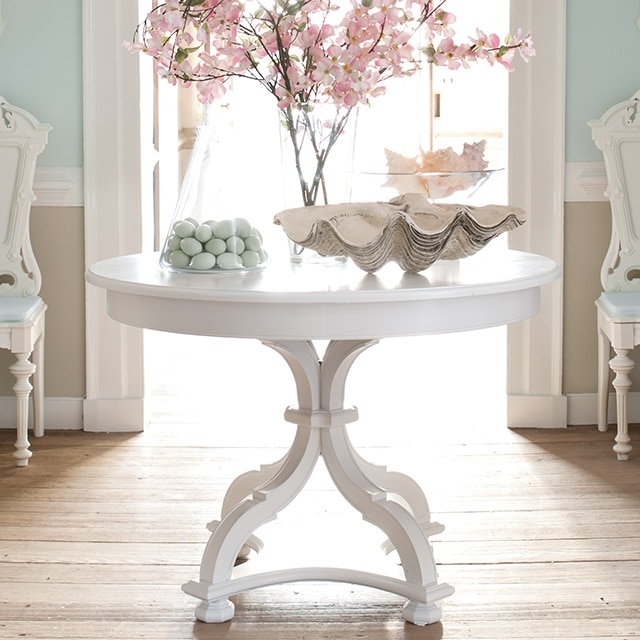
112, 87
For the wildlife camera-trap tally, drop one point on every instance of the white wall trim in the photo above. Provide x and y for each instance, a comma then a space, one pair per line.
114, 415
543, 412
585, 182
113, 219
582, 408
61, 413
536, 183
59, 187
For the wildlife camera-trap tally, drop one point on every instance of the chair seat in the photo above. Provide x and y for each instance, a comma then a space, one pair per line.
623, 305
18, 309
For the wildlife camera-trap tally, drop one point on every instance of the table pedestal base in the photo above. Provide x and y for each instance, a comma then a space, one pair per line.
391, 501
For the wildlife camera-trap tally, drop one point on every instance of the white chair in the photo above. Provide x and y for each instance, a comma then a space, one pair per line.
22, 311
617, 135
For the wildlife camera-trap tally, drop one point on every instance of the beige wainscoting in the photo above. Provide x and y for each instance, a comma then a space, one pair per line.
57, 236
587, 230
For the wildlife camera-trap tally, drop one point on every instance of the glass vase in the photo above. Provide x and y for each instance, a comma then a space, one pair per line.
317, 145
208, 232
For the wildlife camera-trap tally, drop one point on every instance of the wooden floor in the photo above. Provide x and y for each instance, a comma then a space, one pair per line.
542, 535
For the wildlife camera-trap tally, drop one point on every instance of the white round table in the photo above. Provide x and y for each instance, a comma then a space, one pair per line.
287, 307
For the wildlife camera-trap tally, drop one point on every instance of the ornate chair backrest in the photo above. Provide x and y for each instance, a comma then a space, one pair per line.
617, 135
22, 139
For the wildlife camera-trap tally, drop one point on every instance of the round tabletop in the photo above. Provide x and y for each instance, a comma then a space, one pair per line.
291, 302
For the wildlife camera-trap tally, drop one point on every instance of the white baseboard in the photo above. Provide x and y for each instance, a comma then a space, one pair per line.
81, 414
121, 415
128, 415
536, 411
582, 408
59, 413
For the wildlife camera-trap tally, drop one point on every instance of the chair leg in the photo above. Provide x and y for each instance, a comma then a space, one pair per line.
621, 364
22, 369
604, 352
38, 387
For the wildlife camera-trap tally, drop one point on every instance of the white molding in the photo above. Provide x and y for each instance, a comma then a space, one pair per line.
113, 217
60, 413
542, 412
582, 408
536, 183
59, 187
117, 415
585, 182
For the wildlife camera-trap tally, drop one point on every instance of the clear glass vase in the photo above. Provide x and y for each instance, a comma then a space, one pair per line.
317, 145
208, 233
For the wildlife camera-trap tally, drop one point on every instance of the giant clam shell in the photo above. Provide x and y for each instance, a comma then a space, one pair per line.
408, 230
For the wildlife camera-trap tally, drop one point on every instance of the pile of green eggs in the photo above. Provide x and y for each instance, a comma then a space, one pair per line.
215, 244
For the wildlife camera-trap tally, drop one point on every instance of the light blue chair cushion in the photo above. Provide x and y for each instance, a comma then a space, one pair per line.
18, 309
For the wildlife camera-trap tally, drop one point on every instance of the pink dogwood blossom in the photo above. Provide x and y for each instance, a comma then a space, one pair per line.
290, 46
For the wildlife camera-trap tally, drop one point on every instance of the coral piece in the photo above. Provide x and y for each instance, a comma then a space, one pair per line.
437, 174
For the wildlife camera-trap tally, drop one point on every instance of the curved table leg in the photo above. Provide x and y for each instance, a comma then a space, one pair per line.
238, 490
321, 419
403, 489
235, 528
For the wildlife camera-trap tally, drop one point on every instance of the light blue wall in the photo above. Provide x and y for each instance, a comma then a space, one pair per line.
41, 71
603, 66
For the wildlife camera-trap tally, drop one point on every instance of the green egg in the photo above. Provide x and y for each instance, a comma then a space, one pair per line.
184, 229
256, 232
203, 261
250, 259
229, 261
215, 246
252, 243
190, 246
203, 233
179, 258
173, 242
235, 245
194, 221
224, 229
243, 227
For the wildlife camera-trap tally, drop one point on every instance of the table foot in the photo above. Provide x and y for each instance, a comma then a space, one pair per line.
216, 611
421, 614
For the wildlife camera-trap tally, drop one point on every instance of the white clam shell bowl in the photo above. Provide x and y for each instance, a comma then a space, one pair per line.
408, 230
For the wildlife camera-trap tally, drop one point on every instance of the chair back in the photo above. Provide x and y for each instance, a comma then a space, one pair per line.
22, 139
617, 135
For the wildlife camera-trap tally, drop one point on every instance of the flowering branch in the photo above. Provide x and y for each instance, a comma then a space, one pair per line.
306, 51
